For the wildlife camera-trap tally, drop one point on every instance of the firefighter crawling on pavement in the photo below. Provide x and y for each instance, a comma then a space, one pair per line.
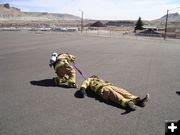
109, 92
63, 68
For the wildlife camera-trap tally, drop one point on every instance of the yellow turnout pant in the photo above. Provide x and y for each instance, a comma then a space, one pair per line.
66, 74
117, 95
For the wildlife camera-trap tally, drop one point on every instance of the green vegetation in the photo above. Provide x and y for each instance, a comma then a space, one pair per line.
139, 24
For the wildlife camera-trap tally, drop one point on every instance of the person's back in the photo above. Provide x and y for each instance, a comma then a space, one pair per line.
68, 57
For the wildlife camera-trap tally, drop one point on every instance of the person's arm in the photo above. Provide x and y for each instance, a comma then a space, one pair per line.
83, 87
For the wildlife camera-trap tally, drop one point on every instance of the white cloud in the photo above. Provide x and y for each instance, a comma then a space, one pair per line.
104, 9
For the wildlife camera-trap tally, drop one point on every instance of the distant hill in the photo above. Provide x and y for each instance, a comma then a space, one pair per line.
8, 13
12, 16
172, 17
173, 21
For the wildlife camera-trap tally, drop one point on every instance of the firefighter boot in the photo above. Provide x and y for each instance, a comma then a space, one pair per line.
131, 106
142, 102
58, 81
72, 85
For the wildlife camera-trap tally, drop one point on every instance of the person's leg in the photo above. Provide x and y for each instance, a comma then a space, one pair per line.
136, 100
108, 93
71, 72
59, 81
126, 94
61, 77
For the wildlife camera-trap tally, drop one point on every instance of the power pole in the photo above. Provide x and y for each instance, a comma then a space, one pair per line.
166, 25
167, 21
82, 22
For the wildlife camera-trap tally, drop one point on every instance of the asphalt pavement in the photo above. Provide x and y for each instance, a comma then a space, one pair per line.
31, 105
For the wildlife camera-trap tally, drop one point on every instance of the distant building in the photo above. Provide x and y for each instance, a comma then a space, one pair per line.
149, 32
150, 27
121, 23
97, 24
177, 31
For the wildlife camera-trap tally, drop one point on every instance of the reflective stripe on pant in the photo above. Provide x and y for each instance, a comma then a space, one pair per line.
117, 95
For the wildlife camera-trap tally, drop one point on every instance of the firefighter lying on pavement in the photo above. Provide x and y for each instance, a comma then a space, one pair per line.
112, 93
63, 68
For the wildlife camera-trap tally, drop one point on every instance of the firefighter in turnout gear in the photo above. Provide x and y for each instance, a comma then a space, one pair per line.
63, 68
109, 92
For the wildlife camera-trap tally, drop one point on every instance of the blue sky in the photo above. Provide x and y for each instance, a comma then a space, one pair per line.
101, 9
